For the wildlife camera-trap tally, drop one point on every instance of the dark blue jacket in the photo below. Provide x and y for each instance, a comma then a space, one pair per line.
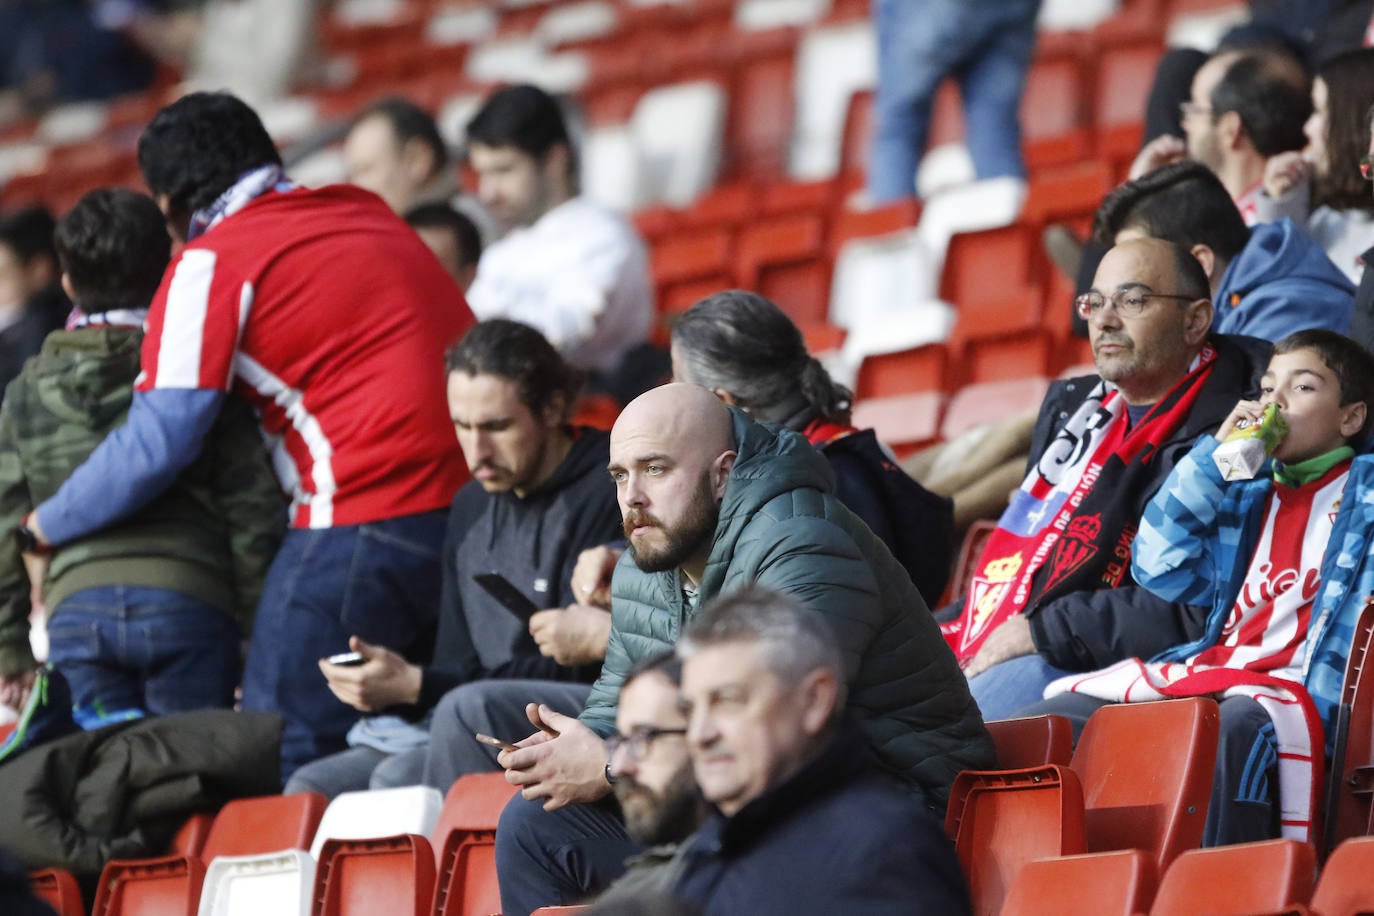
1281, 282
836, 837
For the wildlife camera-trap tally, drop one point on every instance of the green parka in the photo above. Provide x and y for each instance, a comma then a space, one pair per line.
781, 528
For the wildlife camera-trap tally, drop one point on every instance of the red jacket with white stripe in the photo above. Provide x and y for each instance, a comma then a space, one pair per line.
327, 312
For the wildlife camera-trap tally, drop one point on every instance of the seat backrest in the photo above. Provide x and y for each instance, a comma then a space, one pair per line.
378, 813
190, 838
57, 888
1142, 791
1002, 819
678, 132
1118, 883
1344, 888
1032, 741
1350, 790
473, 805
389, 875
248, 826
273, 884
988, 402
1241, 879
150, 887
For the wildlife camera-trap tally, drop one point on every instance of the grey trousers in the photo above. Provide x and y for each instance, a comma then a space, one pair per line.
356, 769
493, 707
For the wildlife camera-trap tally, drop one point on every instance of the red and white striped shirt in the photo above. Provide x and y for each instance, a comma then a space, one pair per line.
325, 311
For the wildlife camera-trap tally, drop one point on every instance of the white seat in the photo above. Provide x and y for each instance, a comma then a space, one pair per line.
378, 813
454, 115
73, 122
576, 22
609, 164
274, 884
368, 12
1071, 15
678, 132
461, 25
757, 15
322, 167
832, 64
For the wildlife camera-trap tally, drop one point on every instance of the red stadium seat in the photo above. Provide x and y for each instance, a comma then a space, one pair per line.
465, 839
1032, 741
782, 260
1095, 884
152, 887
190, 838
248, 826
391, 875
1239, 880
1350, 789
1344, 888
57, 888
967, 562
991, 402
1124, 76
993, 264
904, 372
1054, 131
905, 422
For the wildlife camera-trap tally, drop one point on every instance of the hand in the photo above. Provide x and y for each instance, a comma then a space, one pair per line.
591, 578
1284, 172
562, 770
31, 522
385, 679
575, 635
1158, 153
14, 689
1249, 411
36, 565
1011, 640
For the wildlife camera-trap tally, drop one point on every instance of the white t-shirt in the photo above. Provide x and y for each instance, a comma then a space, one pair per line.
579, 274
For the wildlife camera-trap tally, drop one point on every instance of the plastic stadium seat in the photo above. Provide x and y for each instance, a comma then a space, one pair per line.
689, 265
905, 422
991, 264
1238, 880
904, 372
857, 224
1344, 888
465, 839
1014, 354
378, 813
190, 838
1124, 76
781, 259
677, 132
759, 124
248, 826
785, 198
1000, 820
1053, 127
1141, 792
1032, 741
1350, 788
832, 64
991, 402
390, 875
153, 887
1096, 884
271, 884
57, 888
1071, 192
723, 207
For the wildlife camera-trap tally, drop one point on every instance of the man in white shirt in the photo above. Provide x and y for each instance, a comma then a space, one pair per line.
565, 265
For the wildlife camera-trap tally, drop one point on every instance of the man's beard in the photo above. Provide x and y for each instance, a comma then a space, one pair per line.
653, 819
685, 539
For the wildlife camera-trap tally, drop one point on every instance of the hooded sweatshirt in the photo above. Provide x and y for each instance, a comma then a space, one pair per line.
1281, 282
534, 542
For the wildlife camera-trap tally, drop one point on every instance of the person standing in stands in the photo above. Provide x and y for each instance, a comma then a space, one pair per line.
328, 314
31, 302
565, 265
148, 615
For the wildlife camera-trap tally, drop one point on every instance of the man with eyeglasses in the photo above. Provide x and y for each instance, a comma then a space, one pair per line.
1052, 592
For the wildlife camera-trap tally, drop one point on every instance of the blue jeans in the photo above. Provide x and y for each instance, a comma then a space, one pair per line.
378, 581
150, 649
986, 45
1004, 690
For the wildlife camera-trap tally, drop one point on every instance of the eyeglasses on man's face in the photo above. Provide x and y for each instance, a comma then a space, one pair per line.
1128, 303
638, 743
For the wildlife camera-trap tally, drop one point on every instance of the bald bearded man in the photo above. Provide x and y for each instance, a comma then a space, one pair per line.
711, 501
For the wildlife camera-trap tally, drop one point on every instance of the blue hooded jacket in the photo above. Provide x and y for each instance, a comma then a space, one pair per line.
1281, 282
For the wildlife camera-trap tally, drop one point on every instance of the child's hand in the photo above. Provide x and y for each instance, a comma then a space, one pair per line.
1249, 411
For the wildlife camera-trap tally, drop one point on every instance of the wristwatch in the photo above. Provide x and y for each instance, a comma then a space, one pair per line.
28, 541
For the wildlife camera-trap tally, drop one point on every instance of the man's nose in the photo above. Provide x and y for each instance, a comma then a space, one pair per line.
622, 762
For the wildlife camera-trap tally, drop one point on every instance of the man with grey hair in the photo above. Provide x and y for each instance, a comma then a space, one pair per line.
790, 779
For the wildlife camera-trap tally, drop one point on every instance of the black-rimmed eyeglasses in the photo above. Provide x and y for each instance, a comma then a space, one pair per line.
638, 744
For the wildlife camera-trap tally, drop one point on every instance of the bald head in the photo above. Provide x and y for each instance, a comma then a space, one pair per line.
671, 453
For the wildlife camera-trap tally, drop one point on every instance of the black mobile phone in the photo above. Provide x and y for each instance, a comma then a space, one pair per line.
509, 597
346, 659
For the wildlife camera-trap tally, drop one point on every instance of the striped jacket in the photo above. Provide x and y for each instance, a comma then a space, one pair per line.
1195, 544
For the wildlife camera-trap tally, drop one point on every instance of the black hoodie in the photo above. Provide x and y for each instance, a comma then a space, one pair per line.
532, 541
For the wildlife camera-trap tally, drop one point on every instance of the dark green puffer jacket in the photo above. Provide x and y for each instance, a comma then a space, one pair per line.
781, 528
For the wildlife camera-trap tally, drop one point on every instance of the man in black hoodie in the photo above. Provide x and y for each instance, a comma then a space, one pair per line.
539, 496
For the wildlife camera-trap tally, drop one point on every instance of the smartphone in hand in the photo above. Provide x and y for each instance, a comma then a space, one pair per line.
346, 659
507, 595
495, 742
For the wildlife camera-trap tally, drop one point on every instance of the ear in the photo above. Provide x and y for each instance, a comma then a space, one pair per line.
555, 413
1207, 258
720, 473
417, 159
1353, 417
556, 166
1197, 321
727, 397
67, 287
1231, 130
818, 694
